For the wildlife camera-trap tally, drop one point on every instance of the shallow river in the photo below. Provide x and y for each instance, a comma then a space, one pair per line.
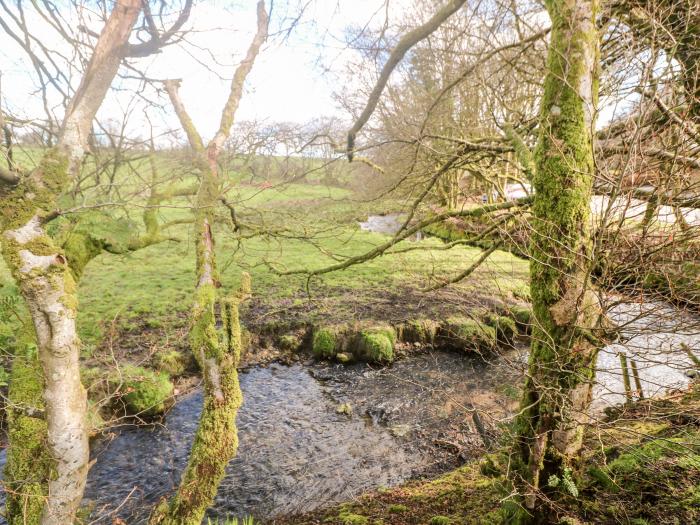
296, 451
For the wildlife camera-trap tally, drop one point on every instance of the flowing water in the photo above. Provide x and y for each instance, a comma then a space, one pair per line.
655, 335
387, 224
300, 449
297, 451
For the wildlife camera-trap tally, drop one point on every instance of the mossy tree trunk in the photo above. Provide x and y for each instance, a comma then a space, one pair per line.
28, 464
217, 351
549, 428
40, 269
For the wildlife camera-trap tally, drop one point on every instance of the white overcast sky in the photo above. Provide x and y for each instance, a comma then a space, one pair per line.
293, 79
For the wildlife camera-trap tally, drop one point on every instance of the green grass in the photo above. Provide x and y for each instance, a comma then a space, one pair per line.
156, 283
232, 521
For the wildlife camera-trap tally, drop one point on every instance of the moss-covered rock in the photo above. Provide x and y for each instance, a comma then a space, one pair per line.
419, 331
523, 317
506, 328
144, 392
464, 333
173, 362
344, 358
375, 344
289, 342
325, 341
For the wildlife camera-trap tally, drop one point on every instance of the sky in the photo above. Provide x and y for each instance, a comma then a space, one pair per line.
293, 80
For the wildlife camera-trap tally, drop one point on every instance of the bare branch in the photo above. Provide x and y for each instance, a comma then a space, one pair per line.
407, 42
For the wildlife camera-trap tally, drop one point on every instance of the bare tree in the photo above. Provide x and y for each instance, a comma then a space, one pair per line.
41, 266
218, 354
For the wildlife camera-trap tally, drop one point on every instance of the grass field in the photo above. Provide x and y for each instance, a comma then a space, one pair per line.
315, 225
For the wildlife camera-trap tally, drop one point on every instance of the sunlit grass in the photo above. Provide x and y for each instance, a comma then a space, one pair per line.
156, 283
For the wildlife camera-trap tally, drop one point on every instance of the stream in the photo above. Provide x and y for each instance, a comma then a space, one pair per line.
300, 449
297, 452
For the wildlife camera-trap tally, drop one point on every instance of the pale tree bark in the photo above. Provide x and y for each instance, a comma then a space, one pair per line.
558, 388
40, 269
217, 353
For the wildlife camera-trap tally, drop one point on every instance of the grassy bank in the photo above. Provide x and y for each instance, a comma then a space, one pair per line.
315, 225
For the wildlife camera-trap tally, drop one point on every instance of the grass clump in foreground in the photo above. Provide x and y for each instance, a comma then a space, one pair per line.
232, 521
641, 467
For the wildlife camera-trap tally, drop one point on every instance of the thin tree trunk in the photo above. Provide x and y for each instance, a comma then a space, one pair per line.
218, 354
40, 269
549, 428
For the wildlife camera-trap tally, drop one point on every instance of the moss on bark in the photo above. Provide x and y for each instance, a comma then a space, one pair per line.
561, 367
28, 465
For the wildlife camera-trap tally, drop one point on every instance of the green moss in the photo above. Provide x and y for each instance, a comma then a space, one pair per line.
419, 331
324, 342
650, 480
80, 249
172, 362
397, 508
440, 520
506, 328
352, 519
144, 392
522, 292
344, 358
522, 316
289, 342
246, 340
490, 466
28, 463
376, 345
463, 333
